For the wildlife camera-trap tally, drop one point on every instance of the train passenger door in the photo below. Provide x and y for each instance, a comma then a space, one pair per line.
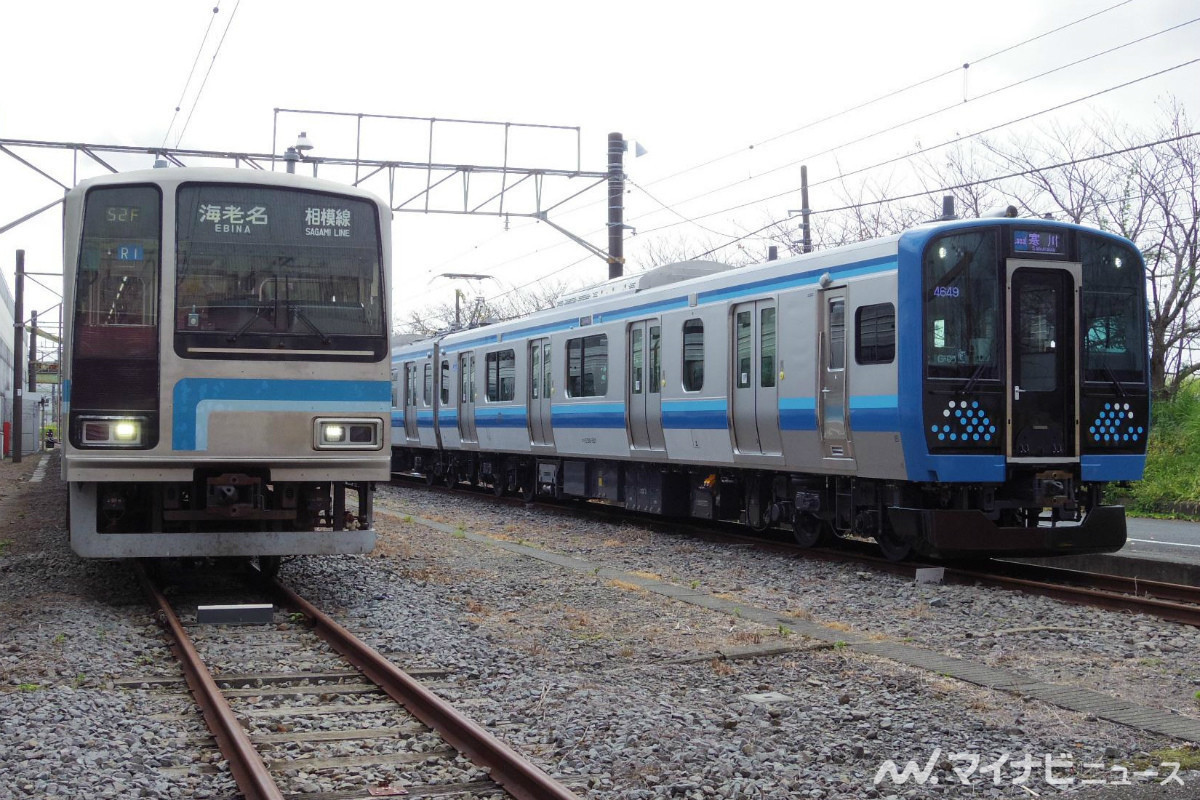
755, 370
410, 402
1043, 379
832, 417
644, 386
466, 398
541, 392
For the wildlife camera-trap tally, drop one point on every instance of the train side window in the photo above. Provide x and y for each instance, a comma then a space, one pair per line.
445, 382
395, 388
535, 371
501, 375
693, 355
410, 383
766, 347
428, 393
837, 334
636, 357
655, 359
875, 334
744, 327
547, 384
587, 366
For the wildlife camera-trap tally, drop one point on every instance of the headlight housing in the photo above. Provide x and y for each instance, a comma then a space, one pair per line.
354, 433
112, 431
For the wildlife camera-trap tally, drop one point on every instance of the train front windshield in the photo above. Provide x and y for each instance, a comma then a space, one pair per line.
277, 271
1026, 330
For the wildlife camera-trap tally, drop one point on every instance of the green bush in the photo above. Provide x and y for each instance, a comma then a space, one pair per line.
1172, 456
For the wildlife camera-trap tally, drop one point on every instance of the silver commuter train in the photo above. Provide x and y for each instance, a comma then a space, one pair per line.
225, 377
965, 388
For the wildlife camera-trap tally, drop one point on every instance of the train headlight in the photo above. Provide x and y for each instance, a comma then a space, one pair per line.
111, 431
347, 434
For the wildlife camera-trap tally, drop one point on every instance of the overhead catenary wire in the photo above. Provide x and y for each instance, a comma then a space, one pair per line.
946, 143
191, 73
930, 114
694, 219
835, 115
200, 91
966, 185
864, 169
889, 95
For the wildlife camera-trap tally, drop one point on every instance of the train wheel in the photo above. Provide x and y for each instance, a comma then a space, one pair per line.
430, 477
450, 476
893, 548
268, 566
811, 531
499, 485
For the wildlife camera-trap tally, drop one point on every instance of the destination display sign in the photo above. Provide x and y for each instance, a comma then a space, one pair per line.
230, 213
1039, 242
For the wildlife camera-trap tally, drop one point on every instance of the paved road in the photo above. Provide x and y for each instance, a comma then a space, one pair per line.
1163, 539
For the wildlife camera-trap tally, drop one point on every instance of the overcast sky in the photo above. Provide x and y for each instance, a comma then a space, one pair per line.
691, 81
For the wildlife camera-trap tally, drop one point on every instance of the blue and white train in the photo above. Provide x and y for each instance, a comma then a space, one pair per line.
965, 388
226, 377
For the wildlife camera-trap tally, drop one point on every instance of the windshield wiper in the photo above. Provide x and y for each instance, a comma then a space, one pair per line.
258, 313
300, 315
1108, 373
974, 379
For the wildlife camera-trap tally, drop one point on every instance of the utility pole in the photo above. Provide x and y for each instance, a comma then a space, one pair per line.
18, 346
806, 241
616, 205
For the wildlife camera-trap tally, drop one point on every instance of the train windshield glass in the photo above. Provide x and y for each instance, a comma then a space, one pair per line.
962, 306
280, 268
1113, 328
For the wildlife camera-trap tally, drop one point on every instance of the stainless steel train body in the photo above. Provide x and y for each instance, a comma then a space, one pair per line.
226, 366
966, 387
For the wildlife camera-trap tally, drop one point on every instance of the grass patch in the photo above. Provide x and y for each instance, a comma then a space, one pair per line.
4, 545
626, 585
1188, 757
1172, 456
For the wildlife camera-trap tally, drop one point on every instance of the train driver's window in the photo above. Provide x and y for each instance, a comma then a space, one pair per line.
693, 355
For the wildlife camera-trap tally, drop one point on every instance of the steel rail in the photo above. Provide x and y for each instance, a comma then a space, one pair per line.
253, 778
517, 776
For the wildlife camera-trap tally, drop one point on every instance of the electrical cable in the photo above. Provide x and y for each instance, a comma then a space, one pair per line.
191, 73
968, 184
200, 91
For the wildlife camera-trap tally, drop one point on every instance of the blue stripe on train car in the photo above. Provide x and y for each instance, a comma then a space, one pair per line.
195, 399
798, 413
875, 412
397, 419
588, 415
424, 419
502, 417
695, 414
448, 418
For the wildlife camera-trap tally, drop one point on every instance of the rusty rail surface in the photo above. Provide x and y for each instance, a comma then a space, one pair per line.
251, 774
508, 768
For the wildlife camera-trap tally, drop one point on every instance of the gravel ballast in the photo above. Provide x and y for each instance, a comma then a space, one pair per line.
601, 683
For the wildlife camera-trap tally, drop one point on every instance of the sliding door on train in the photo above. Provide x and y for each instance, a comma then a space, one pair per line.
644, 385
541, 392
832, 417
755, 372
466, 398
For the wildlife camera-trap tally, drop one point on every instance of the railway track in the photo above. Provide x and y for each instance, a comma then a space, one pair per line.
1174, 602
399, 726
